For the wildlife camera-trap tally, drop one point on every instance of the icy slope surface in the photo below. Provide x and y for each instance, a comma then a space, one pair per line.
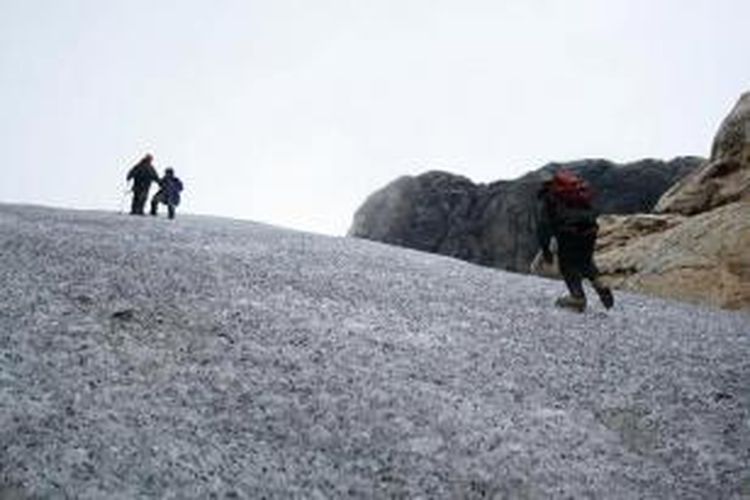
200, 357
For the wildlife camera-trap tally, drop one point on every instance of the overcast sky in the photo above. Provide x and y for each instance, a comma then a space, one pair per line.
292, 112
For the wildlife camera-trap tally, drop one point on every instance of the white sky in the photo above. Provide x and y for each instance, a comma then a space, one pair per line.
292, 112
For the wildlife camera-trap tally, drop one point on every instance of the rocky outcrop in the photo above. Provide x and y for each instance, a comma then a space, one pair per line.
701, 259
495, 224
698, 247
725, 178
617, 231
694, 246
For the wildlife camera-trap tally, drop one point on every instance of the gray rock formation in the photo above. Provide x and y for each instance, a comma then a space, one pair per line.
494, 224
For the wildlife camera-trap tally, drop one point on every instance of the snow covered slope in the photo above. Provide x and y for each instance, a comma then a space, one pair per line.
206, 357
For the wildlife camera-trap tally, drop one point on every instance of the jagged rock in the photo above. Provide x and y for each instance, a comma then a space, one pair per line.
617, 231
696, 249
418, 212
725, 178
495, 224
701, 259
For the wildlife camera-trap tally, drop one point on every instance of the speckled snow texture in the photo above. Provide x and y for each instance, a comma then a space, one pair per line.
203, 357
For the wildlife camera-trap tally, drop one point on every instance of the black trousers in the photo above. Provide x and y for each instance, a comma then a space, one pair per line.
140, 195
159, 197
576, 258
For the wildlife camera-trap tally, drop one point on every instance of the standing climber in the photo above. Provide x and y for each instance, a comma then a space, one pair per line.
168, 194
566, 212
142, 175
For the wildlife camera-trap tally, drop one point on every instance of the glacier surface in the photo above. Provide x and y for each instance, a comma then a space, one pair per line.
215, 358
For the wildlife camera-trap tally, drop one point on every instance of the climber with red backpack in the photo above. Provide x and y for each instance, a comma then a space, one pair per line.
566, 213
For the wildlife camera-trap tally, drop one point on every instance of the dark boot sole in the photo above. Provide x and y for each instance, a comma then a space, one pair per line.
605, 295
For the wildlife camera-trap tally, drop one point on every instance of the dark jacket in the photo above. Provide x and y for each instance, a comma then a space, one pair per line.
171, 187
143, 174
564, 222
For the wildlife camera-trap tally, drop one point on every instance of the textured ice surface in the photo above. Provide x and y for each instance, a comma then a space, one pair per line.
206, 357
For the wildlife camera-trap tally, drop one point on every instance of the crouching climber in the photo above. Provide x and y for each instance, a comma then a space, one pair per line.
566, 213
170, 188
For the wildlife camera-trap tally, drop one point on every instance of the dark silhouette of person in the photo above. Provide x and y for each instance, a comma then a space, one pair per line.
170, 188
142, 175
566, 212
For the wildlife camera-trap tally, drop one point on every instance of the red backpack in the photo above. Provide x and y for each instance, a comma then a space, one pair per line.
571, 190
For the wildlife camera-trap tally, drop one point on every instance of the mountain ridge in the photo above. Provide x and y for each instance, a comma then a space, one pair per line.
494, 224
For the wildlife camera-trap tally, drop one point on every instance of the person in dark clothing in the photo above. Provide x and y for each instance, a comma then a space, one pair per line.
142, 175
566, 213
168, 194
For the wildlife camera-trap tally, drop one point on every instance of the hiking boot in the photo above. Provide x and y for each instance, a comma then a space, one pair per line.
577, 304
605, 294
